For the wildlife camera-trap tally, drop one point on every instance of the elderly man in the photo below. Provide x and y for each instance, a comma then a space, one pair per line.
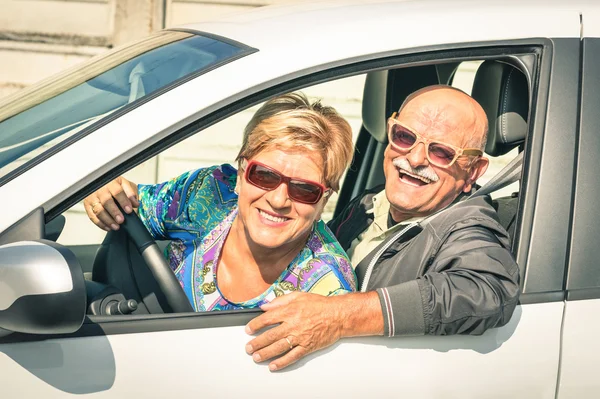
424, 271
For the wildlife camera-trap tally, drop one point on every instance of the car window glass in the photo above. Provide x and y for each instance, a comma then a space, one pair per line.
44, 115
218, 144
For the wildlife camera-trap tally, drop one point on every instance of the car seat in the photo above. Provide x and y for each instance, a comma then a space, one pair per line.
503, 92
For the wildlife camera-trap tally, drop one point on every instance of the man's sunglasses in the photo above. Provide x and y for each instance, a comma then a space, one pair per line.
299, 190
438, 153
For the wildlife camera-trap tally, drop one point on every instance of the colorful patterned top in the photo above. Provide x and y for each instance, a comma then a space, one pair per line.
196, 211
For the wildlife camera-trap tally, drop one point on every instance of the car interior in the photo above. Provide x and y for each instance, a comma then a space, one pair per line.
127, 273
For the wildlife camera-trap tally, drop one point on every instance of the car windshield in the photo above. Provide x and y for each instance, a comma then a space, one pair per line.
40, 117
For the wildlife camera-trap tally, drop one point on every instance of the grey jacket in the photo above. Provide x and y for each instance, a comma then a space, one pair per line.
452, 274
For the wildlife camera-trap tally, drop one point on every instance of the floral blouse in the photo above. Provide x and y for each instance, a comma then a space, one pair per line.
196, 210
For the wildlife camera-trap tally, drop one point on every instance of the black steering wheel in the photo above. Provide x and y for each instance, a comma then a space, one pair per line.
156, 262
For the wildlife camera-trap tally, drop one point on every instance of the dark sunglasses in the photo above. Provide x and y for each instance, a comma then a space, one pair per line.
438, 153
299, 190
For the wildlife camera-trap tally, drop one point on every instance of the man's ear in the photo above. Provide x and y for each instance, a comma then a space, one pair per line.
476, 170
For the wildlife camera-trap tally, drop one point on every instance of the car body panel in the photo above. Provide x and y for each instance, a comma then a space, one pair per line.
580, 349
520, 359
403, 24
192, 363
580, 345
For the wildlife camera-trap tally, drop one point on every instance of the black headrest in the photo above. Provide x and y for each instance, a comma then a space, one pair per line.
503, 92
386, 90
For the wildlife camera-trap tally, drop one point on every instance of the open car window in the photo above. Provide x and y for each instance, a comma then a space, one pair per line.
42, 116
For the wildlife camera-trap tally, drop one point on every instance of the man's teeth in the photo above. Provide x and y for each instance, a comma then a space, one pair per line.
423, 179
272, 218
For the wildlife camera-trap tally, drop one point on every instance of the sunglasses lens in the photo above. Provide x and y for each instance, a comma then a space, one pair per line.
298, 190
401, 137
263, 177
441, 154
306, 192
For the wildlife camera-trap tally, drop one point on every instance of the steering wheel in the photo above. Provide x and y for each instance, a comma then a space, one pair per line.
156, 262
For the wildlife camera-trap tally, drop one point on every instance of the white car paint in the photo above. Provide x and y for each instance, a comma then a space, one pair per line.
580, 350
520, 359
188, 363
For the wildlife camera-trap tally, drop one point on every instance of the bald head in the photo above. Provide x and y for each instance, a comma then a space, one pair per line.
447, 109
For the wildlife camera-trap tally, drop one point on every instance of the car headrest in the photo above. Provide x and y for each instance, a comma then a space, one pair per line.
503, 92
386, 90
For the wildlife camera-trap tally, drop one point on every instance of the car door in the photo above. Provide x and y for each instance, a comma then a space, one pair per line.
580, 344
203, 354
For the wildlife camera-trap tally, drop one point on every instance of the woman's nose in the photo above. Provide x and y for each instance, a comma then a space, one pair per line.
278, 198
418, 156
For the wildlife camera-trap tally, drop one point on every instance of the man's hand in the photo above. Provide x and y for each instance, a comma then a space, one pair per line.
309, 322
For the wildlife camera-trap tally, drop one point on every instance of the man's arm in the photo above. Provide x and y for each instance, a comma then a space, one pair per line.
471, 286
465, 291
311, 322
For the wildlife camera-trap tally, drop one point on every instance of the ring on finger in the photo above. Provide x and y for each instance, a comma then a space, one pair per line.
94, 205
289, 343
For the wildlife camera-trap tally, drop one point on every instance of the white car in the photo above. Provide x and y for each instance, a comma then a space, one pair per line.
61, 328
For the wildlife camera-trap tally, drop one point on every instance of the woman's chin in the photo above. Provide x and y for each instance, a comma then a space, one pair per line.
272, 243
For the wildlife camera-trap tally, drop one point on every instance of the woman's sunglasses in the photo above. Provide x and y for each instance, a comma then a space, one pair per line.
299, 190
438, 153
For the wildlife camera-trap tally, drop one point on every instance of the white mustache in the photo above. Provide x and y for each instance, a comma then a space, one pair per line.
425, 171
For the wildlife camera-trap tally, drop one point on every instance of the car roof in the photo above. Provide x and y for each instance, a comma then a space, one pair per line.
407, 23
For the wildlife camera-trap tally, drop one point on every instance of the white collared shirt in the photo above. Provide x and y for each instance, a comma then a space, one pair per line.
377, 232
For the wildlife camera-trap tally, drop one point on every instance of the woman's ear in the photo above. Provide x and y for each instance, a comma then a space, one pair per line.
237, 184
322, 203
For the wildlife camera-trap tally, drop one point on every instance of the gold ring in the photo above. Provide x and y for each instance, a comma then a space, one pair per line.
94, 205
289, 343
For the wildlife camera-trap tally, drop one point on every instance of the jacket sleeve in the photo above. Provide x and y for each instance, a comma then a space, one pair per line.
471, 285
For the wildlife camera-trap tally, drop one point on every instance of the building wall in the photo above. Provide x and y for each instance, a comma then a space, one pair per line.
39, 38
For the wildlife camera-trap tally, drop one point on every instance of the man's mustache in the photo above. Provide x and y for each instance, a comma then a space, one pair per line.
425, 171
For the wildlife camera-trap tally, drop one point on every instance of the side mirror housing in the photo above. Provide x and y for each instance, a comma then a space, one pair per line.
42, 289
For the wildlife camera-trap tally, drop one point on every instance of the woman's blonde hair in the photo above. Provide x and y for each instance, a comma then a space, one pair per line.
292, 122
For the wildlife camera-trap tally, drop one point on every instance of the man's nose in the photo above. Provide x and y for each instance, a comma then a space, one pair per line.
279, 198
418, 156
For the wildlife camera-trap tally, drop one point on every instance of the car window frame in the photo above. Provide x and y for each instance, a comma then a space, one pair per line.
245, 50
345, 68
583, 276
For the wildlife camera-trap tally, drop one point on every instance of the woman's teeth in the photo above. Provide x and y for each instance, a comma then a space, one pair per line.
272, 218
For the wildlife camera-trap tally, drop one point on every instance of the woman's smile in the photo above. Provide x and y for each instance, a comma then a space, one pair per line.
272, 219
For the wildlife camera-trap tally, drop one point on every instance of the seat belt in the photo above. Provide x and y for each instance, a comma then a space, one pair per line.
509, 174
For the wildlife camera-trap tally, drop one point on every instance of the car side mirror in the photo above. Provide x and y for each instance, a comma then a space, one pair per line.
42, 289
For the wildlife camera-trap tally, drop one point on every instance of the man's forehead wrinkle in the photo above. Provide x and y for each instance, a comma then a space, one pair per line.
434, 117
445, 114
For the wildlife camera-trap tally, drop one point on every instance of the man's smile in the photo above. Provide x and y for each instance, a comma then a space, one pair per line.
412, 179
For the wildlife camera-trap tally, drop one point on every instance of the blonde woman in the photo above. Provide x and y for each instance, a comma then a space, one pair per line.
241, 238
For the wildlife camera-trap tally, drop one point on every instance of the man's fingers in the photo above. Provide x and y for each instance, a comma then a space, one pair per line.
264, 320
279, 347
280, 301
289, 358
265, 339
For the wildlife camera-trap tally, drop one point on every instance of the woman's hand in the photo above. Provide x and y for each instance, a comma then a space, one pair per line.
101, 208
